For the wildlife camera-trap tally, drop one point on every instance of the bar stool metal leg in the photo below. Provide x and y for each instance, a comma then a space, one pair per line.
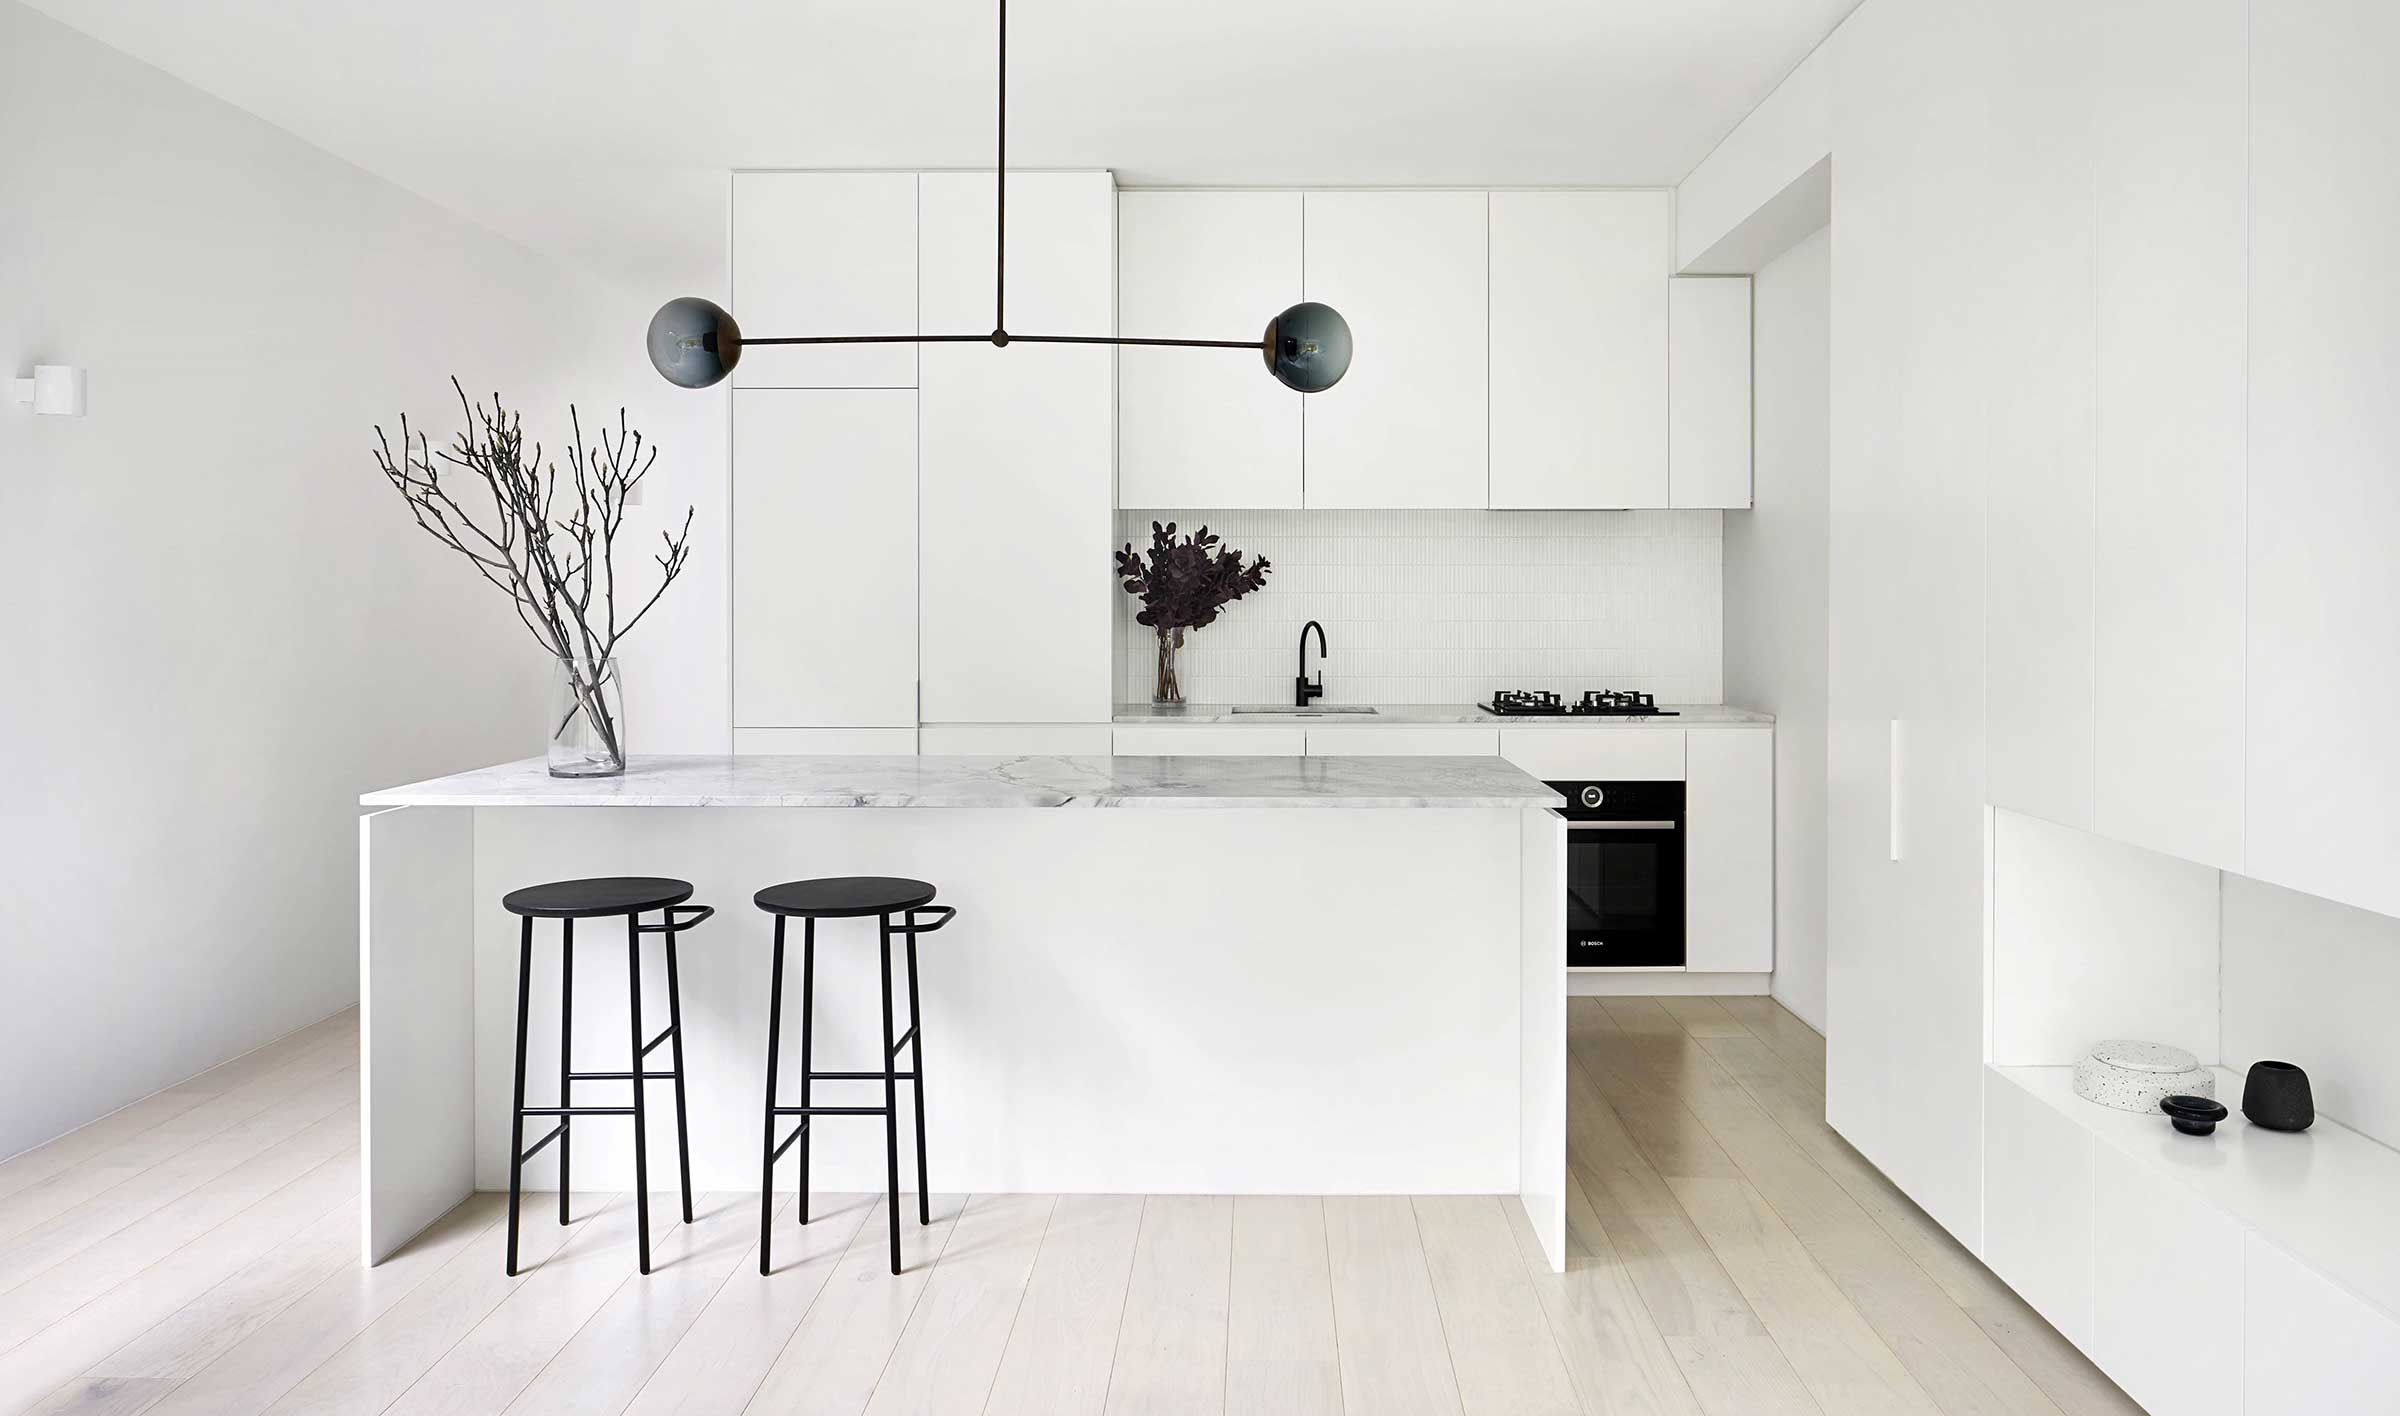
808, 1032
516, 1127
916, 1067
566, 1059
641, 1134
683, 1132
891, 1095
766, 1149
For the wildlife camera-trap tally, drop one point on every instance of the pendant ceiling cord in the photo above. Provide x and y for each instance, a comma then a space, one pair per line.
694, 343
1000, 182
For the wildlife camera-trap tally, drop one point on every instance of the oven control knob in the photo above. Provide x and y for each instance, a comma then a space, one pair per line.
1593, 796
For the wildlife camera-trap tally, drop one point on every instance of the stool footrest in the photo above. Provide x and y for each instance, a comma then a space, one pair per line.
859, 1076
677, 926
652, 1044
575, 1111
797, 1132
828, 1110
905, 1039
620, 1076
555, 1132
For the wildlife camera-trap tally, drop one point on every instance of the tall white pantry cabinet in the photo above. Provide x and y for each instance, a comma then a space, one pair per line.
918, 529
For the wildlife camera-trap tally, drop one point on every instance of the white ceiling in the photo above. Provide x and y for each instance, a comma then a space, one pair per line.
600, 130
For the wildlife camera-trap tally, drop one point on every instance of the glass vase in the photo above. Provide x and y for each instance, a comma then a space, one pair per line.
1169, 689
587, 718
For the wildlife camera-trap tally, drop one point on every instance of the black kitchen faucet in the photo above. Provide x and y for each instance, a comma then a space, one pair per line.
1302, 689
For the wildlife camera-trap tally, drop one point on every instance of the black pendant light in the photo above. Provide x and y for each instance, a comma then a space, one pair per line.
693, 343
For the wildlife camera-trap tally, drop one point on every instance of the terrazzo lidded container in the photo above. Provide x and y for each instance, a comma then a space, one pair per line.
2130, 1075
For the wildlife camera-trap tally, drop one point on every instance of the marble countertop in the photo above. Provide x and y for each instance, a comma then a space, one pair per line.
1687, 715
1220, 782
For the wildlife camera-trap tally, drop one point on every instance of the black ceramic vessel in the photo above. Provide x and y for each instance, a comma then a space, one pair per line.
2193, 1115
2276, 1096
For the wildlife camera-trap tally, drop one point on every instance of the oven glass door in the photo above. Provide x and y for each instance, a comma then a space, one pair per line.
1624, 894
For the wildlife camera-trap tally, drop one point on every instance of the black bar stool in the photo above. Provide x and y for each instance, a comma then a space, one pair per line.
847, 897
570, 900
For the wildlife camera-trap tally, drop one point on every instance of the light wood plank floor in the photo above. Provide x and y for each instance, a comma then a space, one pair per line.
1730, 1256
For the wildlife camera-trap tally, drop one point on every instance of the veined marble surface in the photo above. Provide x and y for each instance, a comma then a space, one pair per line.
996, 781
1687, 715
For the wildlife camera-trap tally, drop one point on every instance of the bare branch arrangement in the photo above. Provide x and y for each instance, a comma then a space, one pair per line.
553, 556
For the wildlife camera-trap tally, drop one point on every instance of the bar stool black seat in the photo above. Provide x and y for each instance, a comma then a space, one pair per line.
606, 897
847, 897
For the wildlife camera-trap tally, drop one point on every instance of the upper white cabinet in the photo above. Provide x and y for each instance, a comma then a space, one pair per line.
1205, 427
1015, 447
1579, 349
1407, 426
826, 253
824, 558
1708, 391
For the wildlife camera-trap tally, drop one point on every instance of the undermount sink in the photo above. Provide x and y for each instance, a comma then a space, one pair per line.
1275, 710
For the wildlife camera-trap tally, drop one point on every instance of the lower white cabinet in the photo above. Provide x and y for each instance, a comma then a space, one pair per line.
826, 742
2037, 1204
2308, 1346
1729, 850
1015, 739
1208, 740
2166, 1290
1588, 754
1430, 741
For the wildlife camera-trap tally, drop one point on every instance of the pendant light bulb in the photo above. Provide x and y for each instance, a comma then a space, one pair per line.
1308, 347
693, 343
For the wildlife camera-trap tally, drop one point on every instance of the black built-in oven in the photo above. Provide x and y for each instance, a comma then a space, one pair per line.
1624, 874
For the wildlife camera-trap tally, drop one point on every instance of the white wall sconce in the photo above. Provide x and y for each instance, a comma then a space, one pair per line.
54, 388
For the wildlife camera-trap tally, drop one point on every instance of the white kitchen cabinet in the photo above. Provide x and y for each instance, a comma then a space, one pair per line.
824, 558
2172, 156
1433, 740
1729, 850
1407, 426
1205, 740
1015, 450
2166, 1287
2037, 1204
2308, 1345
1708, 391
1205, 427
1596, 754
1015, 739
2324, 507
826, 253
1579, 349
826, 742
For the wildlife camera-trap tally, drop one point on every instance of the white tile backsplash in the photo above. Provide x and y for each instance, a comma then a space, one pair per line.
1445, 606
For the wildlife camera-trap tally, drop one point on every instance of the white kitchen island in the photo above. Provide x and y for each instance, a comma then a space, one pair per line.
1266, 975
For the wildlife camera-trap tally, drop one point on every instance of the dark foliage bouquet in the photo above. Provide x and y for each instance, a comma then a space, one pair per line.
1185, 584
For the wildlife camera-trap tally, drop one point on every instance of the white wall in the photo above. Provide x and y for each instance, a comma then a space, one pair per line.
1775, 595
1446, 606
224, 625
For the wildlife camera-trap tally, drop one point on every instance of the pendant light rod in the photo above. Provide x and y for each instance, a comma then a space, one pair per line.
693, 343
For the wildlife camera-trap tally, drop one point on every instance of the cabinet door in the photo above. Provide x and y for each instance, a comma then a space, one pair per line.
2166, 1285
2037, 1204
2307, 1345
824, 558
826, 253
1015, 448
1016, 739
1205, 427
1596, 754
1408, 425
1708, 392
1729, 850
1579, 348
1403, 742
1203, 740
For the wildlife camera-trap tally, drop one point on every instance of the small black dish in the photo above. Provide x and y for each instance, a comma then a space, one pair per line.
2193, 1115
2277, 1097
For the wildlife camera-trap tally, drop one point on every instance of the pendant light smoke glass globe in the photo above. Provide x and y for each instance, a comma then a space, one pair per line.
693, 343
1308, 347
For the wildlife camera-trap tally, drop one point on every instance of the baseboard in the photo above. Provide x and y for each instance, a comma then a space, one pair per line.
1650, 985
